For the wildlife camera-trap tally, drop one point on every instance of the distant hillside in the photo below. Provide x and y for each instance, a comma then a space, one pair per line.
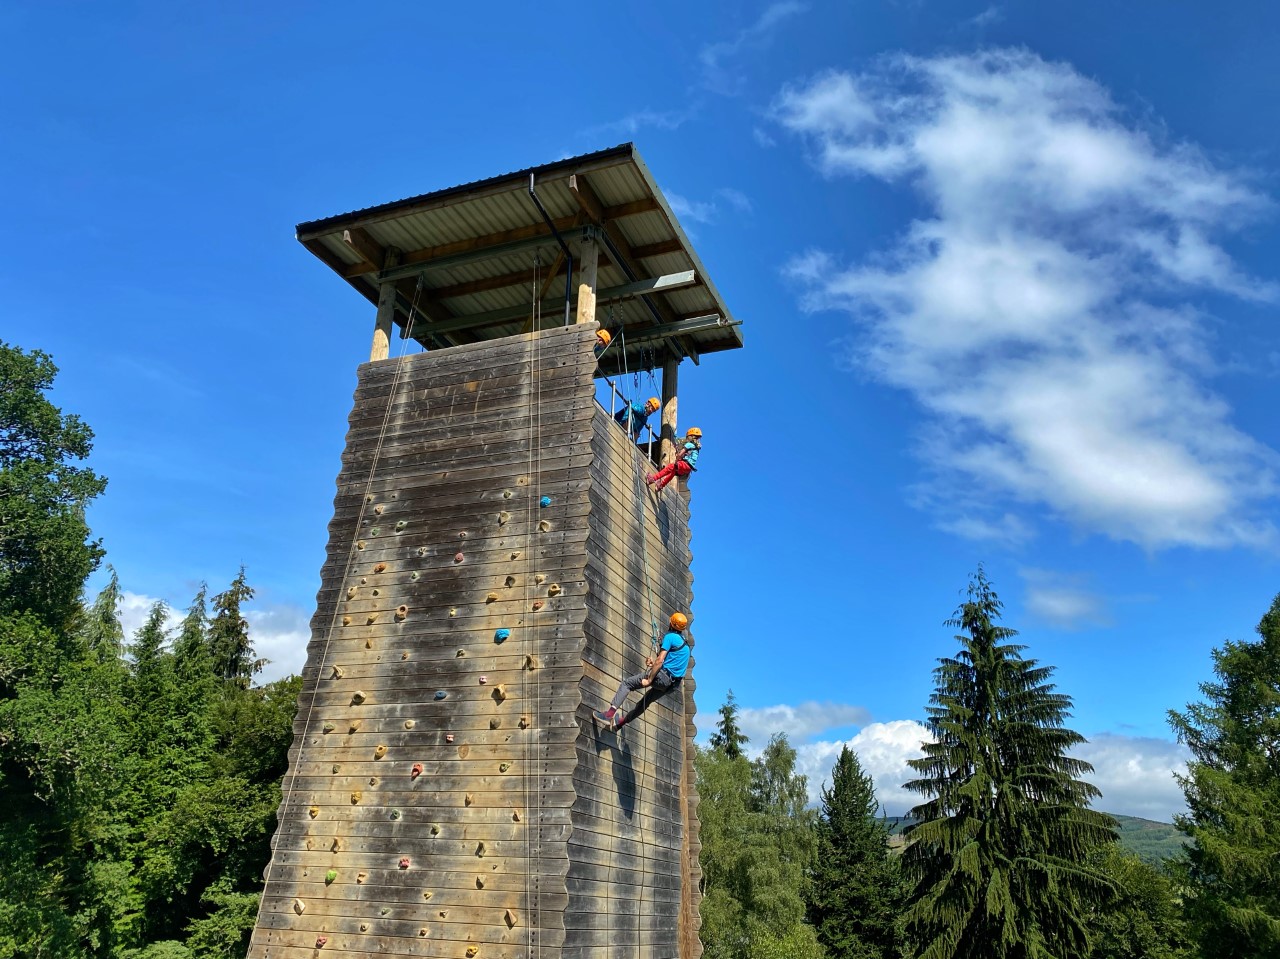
1151, 842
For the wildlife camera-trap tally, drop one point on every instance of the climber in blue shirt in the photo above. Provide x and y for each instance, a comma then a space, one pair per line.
662, 672
633, 415
686, 461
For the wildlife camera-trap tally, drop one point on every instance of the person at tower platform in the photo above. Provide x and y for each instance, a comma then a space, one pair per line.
662, 672
633, 415
686, 461
603, 339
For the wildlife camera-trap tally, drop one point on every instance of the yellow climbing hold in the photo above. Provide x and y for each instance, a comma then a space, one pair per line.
531, 661
481, 849
472, 952
358, 697
409, 724
351, 592
503, 518
511, 581
479, 882
361, 877
355, 797
544, 526
337, 672
469, 799
314, 811
360, 544
491, 598
511, 919
464, 751
554, 589
371, 619
515, 815
346, 620
299, 906
380, 751
335, 846
539, 579
353, 725
500, 692
402, 612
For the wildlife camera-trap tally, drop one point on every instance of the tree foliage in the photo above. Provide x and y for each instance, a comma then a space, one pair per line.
1232, 787
857, 887
1142, 917
997, 853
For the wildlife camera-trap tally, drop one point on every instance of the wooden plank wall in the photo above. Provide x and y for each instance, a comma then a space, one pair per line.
633, 873
415, 825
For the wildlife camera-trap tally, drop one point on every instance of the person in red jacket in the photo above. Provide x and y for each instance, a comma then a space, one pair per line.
686, 461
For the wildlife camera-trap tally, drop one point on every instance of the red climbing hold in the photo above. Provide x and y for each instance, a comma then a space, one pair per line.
458, 557
320, 941
416, 771
404, 862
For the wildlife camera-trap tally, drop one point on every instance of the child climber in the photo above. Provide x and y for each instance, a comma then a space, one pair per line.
663, 672
603, 339
633, 415
686, 460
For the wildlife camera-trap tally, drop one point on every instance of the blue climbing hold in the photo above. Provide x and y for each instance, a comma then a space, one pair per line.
501, 635
441, 694
545, 501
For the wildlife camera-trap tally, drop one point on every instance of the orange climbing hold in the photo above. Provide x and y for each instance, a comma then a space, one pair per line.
416, 771
402, 612
380, 568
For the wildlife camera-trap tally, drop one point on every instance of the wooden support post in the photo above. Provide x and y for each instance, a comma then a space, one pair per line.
381, 347
670, 378
588, 260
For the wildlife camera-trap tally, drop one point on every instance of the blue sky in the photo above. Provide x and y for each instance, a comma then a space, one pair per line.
1006, 273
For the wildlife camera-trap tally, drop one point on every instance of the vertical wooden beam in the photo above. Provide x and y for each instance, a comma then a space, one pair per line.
381, 346
588, 261
670, 381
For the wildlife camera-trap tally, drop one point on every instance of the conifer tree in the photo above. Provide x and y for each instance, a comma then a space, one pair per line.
857, 891
1232, 786
229, 643
997, 853
728, 737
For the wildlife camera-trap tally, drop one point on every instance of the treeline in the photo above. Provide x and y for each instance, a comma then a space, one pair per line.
139, 779
139, 776
1003, 858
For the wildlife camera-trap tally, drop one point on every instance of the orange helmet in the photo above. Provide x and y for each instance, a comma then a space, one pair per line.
694, 431
679, 621
654, 402
604, 337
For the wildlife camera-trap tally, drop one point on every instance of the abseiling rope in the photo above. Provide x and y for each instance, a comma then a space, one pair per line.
288, 791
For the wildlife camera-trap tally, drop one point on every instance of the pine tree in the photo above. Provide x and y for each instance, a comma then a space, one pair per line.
229, 643
1232, 786
857, 888
997, 852
728, 738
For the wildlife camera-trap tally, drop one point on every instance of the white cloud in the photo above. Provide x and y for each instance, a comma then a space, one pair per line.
1039, 313
735, 198
718, 69
799, 722
990, 15
135, 609
1063, 600
633, 123
1135, 774
697, 211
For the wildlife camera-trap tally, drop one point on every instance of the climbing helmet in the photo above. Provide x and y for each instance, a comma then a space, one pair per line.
679, 621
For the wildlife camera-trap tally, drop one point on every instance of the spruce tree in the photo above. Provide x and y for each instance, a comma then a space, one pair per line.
997, 853
857, 891
229, 643
728, 737
1232, 786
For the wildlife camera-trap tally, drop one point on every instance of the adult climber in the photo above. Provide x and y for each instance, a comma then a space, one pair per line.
686, 460
662, 672
633, 415
603, 339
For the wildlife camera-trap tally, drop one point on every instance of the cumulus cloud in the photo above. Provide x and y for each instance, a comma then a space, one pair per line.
719, 60
1135, 774
1063, 599
798, 722
708, 211
1040, 312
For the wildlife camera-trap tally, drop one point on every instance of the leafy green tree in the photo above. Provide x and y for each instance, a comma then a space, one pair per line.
857, 886
1142, 918
1232, 787
45, 554
728, 737
997, 852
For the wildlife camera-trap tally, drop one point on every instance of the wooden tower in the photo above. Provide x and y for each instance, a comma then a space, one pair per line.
495, 566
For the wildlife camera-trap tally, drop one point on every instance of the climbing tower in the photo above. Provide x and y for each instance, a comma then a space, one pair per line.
495, 566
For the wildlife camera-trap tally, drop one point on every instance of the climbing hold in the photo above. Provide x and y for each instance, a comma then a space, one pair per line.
503, 767
380, 751
501, 635
545, 501
462, 535
358, 697
384, 911
554, 589
416, 771
330, 877
402, 612
515, 815
472, 952
320, 941
426, 895
371, 619
409, 724
361, 877
453, 612
464, 751
380, 568
491, 598
353, 725
539, 579
468, 799
522, 481
458, 557
401, 525
460, 653
524, 722
511, 581
368, 644
484, 680
423, 932
448, 737
346, 620
373, 780
335, 768
544, 526
495, 722
444, 913
503, 518
351, 592
328, 727
360, 544
377, 592
355, 797
479, 882
369, 498
364, 927
394, 814
531, 661
338, 672
481, 849
441, 694
507, 494
404, 862
309, 843
511, 919
435, 829
314, 811
375, 531
404, 655
537, 605
515, 554
378, 509
335, 846
364, 580
500, 692
414, 576
422, 551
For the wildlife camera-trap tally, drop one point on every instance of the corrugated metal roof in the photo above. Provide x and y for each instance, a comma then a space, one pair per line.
473, 249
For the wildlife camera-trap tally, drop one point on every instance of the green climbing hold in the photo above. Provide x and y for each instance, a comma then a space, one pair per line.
374, 531
330, 876
401, 525
395, 814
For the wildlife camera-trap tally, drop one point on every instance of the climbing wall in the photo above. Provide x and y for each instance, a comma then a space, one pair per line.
447, 792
